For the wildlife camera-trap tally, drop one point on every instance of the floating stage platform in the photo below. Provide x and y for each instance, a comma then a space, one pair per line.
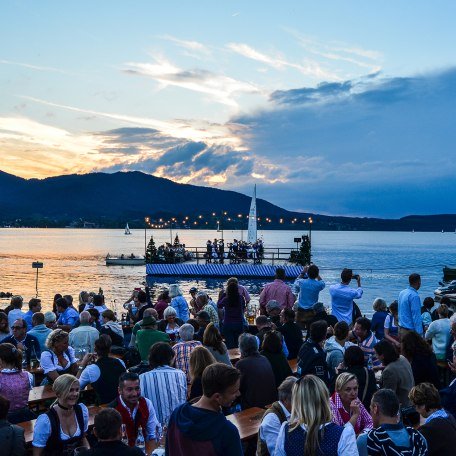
258, 271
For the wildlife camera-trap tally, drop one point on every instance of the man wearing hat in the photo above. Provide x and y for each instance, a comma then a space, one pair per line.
192, 303
273, 309
147, 336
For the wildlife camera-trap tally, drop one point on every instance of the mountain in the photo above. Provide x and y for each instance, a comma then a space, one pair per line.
112, 199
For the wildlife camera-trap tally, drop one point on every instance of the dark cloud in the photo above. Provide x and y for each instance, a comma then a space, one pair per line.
181, 154
310, 94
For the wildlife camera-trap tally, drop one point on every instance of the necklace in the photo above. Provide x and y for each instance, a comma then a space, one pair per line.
63, 407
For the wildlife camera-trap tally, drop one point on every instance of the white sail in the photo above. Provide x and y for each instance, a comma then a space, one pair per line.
127, 229
252, 234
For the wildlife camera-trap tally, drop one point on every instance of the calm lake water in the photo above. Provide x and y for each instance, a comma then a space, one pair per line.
74, 261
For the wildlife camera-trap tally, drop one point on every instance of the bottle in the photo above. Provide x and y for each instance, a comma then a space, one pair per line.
140, 442
370, 363
124, 320
124, 434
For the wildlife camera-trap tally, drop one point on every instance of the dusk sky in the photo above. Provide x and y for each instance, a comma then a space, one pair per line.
342, 108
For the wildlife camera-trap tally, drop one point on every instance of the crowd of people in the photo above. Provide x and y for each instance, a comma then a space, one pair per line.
167, 373
236, 251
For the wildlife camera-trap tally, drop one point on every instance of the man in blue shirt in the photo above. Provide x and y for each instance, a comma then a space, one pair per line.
410, 307
34, 306
308, 287
342, 296
68, 315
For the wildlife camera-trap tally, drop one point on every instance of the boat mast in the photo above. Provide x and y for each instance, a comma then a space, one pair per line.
252, 233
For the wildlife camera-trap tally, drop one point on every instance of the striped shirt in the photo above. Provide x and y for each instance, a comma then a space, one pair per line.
166, 387
183, 350
367, 346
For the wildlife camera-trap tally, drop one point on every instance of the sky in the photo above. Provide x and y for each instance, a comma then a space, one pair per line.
340, 108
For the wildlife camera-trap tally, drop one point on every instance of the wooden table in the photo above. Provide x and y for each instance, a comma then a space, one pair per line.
234, 354
247, 422
40, 394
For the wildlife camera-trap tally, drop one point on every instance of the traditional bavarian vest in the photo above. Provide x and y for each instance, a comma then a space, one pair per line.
15, 386
276, 408
106, 385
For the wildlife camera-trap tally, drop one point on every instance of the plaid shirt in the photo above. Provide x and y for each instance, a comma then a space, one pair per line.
183, 351
364, 421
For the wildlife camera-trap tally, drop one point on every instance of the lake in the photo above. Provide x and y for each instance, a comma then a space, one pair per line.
74, 261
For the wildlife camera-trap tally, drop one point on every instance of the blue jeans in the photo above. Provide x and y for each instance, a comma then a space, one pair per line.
232, 331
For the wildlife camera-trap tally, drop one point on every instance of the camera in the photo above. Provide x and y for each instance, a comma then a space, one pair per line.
355, 277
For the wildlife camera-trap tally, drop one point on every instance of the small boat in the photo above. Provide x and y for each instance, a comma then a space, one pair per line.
127, 229
449, 273
125, 260
448, 290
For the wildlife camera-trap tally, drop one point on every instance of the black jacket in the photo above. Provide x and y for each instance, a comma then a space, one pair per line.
312, 360
116, 448
293, 338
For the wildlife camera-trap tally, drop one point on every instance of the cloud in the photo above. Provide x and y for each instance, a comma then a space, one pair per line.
33, 67
195, 47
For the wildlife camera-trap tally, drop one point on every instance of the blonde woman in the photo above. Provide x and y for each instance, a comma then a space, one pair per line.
200, 358
62, 429
345, 405
310, 431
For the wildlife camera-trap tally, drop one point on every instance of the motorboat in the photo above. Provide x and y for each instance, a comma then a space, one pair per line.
125, 260
446, 290
449, 273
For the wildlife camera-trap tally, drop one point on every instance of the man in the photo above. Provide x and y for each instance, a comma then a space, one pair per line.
184, 349
321, 314
278, 291
273, 310
84, 336
192, 304
311, 357
68, 316
336, 345
97, 303
143, 305
201, 429
11, 436
136, 411
164, 385
342, 296
278, 413
203, 319
253, 367
206, 304
34, 306
410, 307
15, 313
264, 325
20, 339
389, 436
50, 320
40, 330
291, 332
366, 340
107, 429
148, 335
308, 287
137, 327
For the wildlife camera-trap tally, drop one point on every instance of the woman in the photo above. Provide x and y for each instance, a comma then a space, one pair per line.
439, 333
4, 326
59, 358
200, 358
62, 429
378, 319
346, 407
84, 299
162, 303
439, 428
422, 359
112, 328
54, 303
178, 302
272, 349
170, 324
397, 374
15, 384
426, 316
391, 326
233, 305
213, 341
310, 415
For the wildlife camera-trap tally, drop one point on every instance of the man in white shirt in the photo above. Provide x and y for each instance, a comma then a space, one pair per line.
84, 336
342, 296
16, 312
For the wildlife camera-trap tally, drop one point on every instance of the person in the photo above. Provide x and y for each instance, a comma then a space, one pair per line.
278, 291
439, 428
101, 371
112, 328
200, 358
34, 306
59, 357
4, 326
68, 316
97, 303
63, 428
241, 289
320, 313
310, 415
164, 385
439, 333
389, 437
194, 308
23, 341
15, 384
184, 349
11, 436
273, 310
426, 316
108, 431
397, 374
311, 357
170, 324
213, 341
143, 305
308, 287
391, 328
83, 338
136, 411
346, 406
178, 302
50, 320
353, 363
84, 300
342, 296
378, 319
366, 340
39, 330
252, 367
16, 310
291, 332
148, 335
162, 303
233, 305
409, 305
203, 319
263, 325
199, 429
336, 345
271, 348
272, 420
205, 303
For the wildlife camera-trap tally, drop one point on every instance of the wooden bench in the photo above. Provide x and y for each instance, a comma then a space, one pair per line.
247, 422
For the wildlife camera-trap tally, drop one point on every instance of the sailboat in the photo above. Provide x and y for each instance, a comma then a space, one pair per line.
127, 229
252, 228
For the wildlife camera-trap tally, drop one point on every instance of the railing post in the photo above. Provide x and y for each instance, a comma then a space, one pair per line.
197, 256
